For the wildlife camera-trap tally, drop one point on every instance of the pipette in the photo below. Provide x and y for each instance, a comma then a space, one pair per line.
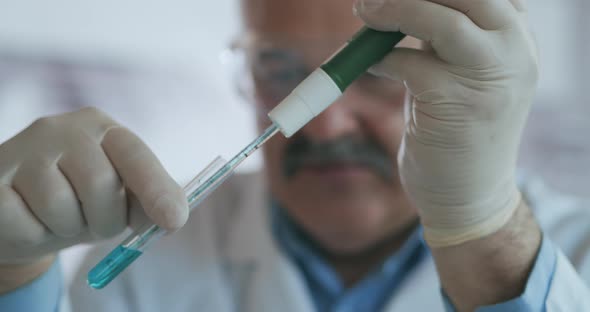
312, 96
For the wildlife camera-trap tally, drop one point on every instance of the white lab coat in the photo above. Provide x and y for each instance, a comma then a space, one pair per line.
225, 259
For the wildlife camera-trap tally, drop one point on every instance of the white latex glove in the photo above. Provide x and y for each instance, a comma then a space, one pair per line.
470, 95
66, 179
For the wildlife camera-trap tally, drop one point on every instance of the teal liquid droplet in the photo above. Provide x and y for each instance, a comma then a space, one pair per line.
113, 264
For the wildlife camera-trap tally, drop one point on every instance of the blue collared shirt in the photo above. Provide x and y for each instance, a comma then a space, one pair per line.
371, 294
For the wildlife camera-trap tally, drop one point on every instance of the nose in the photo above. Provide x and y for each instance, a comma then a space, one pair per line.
340, 119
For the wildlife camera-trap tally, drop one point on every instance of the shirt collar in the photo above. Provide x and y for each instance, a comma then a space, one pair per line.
299, 248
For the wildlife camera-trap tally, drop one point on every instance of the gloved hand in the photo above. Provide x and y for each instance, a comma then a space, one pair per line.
69, 179
470, 92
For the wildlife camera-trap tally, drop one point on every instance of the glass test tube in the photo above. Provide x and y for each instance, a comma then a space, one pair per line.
134, 245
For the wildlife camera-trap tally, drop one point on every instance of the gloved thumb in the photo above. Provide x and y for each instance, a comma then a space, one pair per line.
419, 70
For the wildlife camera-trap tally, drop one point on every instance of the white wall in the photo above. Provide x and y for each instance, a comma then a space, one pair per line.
556, 143
152, 65
173, 31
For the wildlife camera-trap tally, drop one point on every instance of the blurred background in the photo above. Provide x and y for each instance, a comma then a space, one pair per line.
156, 67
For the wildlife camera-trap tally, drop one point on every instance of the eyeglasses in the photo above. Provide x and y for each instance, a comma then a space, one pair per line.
266, 71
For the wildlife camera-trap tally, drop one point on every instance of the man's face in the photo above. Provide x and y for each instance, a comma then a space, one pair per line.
337, 177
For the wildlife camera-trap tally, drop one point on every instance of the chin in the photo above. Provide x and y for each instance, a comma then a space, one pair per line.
344, 208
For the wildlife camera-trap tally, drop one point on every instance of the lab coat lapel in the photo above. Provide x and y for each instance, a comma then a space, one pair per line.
261, 278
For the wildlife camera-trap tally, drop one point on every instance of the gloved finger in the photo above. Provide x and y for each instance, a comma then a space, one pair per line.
487, 14
98, 187
454, 36
419, 70
18, 225
50, 197
160, 196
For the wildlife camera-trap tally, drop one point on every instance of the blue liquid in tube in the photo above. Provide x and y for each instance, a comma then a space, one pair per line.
104, 272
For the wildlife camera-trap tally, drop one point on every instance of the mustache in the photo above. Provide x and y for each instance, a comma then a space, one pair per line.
302, 152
